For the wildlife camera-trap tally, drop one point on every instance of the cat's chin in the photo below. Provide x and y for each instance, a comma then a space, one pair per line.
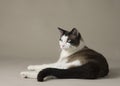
68, 49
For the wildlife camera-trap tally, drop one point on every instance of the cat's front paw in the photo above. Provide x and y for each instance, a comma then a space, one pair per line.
29, 74
36, 67
31, 67
24, 74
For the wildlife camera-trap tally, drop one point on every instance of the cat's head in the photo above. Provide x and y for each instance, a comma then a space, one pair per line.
69, 39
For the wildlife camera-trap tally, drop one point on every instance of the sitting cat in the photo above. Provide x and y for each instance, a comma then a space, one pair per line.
76, 61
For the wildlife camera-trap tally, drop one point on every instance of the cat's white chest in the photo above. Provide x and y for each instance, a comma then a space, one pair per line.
65, 55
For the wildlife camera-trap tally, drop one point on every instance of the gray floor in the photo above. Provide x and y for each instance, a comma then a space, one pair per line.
11, 67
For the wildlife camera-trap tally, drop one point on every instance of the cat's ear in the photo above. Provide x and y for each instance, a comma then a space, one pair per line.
61, 30
74, 31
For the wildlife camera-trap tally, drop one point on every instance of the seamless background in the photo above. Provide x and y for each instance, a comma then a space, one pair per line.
29, 35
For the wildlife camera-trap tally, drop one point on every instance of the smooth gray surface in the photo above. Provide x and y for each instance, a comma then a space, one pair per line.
10, 69
29, 35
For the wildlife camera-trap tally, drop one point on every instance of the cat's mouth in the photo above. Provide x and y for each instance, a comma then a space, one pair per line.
64, 47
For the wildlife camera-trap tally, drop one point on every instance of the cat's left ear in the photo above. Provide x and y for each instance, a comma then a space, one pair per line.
61, 30
74, 31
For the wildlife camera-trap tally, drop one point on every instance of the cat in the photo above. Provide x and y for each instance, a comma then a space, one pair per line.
76, 61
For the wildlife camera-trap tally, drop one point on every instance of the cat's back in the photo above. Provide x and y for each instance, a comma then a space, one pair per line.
86, 54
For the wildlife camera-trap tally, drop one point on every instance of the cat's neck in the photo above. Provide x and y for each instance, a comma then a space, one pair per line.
67, 53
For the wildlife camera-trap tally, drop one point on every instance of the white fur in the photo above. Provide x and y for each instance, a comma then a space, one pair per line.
63, 43
67, 50
29, 74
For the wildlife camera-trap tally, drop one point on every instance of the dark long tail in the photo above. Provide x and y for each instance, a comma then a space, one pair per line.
87, 71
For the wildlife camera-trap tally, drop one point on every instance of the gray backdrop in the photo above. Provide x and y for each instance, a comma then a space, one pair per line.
28, 28
29, 35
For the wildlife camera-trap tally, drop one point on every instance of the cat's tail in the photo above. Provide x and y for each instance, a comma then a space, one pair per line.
87, 71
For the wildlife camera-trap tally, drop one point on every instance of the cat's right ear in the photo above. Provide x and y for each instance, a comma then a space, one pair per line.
61, 30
